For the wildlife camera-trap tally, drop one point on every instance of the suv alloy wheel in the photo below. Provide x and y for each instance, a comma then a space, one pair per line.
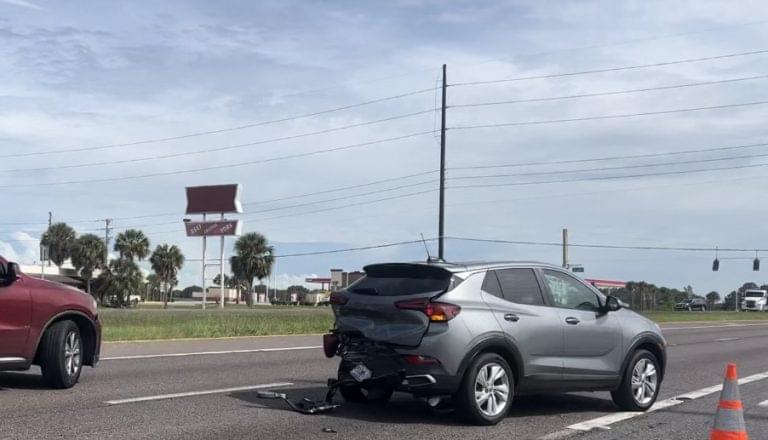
487, 390
640, 385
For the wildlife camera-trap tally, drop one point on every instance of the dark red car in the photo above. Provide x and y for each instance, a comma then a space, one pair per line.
47, 324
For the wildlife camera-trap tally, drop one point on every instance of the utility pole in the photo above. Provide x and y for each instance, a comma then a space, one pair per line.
565, 248
203, 283
221, 269
50, 222
441, 220
107, 224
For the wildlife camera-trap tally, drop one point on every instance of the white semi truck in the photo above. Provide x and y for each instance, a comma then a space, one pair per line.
755, 300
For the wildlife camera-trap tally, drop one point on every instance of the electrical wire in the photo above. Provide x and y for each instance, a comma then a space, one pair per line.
219, 149
360, 248
221, 130
622, 167
604, 117
610, 158
599, 178
218, 167
612, 69
609, 93
608, 246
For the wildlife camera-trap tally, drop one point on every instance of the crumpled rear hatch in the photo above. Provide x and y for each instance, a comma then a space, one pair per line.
372, 311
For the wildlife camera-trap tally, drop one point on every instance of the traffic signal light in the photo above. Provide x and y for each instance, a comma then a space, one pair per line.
715, 265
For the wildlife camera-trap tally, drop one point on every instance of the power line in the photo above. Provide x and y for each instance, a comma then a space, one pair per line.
608, 93
602, 117
622, 167
360, 248
598, 178
218, 149
342, 188
609, 246
280, 208
611, 69
221, 130
218, 167
609, 158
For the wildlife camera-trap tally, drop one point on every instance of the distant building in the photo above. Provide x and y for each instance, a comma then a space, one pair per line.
341, 280
65, 275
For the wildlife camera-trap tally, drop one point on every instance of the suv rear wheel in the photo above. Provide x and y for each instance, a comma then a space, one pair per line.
640, 385
61, 354
487, 390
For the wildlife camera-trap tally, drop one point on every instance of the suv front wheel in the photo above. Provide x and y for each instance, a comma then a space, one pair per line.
640, 384
487, 390
61, 354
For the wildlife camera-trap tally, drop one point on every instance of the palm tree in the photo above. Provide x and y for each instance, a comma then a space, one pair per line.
254, 260
120, 279
166, 261
59, 238
131, 244
87, 256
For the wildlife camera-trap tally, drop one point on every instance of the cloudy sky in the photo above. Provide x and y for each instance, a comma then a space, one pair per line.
90, 92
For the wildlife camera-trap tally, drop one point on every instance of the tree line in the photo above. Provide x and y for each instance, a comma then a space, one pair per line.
122, 277
645, 296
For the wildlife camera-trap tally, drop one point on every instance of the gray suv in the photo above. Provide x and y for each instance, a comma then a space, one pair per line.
481, 333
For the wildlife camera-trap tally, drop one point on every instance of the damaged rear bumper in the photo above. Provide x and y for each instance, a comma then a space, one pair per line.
407, 373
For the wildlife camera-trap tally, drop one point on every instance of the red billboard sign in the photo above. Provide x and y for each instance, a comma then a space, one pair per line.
213, 199
213, 228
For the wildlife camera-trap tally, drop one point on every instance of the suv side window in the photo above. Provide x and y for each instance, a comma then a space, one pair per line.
520, 286
569, 293
491, 284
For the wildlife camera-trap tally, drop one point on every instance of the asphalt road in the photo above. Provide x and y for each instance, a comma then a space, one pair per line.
216, 405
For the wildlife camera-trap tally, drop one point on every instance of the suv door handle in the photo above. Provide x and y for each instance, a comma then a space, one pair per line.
511, 317
571, 320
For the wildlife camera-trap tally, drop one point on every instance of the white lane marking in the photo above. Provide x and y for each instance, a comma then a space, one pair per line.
604, 422
209, 353
763, 404
197, 393
666, 329
726, 339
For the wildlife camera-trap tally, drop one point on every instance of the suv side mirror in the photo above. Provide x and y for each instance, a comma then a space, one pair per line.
12, 273
612, 304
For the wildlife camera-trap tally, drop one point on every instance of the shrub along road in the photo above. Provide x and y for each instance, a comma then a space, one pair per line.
219, 400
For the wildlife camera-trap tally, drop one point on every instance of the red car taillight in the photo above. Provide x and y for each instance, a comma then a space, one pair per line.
338, 299
436, 311
330, 344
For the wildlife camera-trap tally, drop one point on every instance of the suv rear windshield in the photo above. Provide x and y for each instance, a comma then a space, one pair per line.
401, 280
754, 294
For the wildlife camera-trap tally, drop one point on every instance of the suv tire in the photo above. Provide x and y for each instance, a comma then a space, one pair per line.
643, 369
61, 354
495, 394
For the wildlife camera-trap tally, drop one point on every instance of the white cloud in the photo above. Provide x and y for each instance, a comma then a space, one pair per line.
23, 4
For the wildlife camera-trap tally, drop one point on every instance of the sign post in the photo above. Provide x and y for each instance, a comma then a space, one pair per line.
221, 199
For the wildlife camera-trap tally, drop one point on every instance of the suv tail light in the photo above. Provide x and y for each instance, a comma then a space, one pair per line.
436, 311
338, 299
330, 344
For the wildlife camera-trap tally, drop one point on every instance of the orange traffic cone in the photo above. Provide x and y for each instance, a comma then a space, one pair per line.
729, 419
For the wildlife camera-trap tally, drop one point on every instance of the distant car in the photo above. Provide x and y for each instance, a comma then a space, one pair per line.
47, 324
692, 304
481, 333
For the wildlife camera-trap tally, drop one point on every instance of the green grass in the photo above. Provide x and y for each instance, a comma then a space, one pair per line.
705, 316
138, 324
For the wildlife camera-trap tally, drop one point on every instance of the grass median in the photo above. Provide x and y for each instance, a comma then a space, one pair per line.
705, 316
138, 324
